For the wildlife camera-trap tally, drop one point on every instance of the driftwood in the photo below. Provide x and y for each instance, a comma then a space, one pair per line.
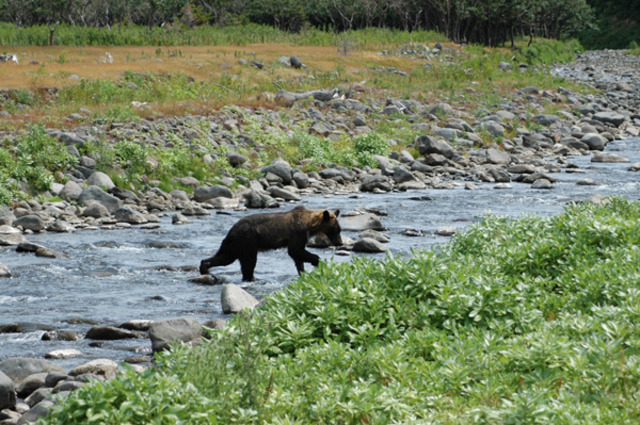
286, 98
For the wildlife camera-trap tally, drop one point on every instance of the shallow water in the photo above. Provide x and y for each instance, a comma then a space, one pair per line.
112, 276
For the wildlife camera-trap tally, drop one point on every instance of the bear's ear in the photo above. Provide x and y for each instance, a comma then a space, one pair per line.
327, 216
337, 213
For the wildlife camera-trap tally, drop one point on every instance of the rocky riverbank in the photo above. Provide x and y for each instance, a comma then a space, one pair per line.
452, 152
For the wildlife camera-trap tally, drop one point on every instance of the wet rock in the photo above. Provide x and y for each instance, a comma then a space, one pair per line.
359, 221
30, 222
376, 183
594, 141
48, 253
96, 194
207, 279
7, 392
634, 167
66, 353
374, 234
4, 272
608, 158
127, 215
10, 236
446, 231
235, 299
542, 184
60, 226
101, 367
18, 368
369, 245
60, 335
258, 199
204, 193
109, 333
179, 219
164, 332
37, 396
137, 325
287, 193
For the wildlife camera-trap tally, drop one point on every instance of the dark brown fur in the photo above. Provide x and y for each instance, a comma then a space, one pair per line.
261, 232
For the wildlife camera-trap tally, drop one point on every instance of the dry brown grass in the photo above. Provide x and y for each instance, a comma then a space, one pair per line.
52, 66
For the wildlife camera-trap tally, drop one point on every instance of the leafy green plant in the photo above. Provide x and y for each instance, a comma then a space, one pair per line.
368, 145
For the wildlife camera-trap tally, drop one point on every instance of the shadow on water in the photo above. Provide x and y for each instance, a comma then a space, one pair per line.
113, 276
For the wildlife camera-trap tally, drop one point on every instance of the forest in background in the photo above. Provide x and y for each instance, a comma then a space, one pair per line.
597, 23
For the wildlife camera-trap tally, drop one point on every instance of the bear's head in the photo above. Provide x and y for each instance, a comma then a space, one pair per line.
330, 226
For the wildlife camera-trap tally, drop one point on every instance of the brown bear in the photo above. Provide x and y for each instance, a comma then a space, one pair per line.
261, 232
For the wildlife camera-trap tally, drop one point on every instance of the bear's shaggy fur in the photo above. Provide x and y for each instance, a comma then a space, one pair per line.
261, 232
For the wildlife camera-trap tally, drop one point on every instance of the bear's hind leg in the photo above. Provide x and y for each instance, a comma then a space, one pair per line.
220, 259
248, 263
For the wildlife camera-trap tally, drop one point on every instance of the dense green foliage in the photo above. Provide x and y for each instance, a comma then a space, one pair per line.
28, 165
489, 22
516, 321
618, 25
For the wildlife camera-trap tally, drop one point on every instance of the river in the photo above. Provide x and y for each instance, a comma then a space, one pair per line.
113, 276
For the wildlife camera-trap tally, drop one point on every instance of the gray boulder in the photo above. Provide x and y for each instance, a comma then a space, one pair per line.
4, 272
288, 193
360, 221
608, 158
109, 333
259, 199
204, 193
30, 222
7, 392
613, 118
377, 182
101, 367
295, 62
427, 145
281, 169
369, 245
71, 191
594, 141
546, 120
38, 411
96, 210
235, 299
495, 156
30, 384
100, 179
18, 368
127, 215
96, 194
164, 332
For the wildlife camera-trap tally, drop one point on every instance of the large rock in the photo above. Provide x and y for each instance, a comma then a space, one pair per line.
377, 182
96, 194
109, 333
127, 215
9, 236
38, 411
235, 299
595, 141
164, 332
259, 199
495, 156
100, 179
610, 118
4, 272
18, 368
360, 221
7, 392
30, 222
30, 384
369, 245
96, 210
427, 145
102, 367
71, 191
204, 193
281, 169
288, 193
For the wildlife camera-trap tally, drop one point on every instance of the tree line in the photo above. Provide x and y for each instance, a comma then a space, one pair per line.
489, 22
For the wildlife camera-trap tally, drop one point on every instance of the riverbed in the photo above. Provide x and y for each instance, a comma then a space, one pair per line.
109, 277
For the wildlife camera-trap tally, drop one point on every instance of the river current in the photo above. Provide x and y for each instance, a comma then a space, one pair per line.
113, 276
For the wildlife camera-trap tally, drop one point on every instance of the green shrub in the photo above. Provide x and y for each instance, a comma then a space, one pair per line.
368, 145
147, 398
